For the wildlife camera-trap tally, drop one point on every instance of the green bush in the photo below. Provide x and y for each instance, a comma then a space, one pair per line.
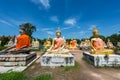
43, 77
13, 76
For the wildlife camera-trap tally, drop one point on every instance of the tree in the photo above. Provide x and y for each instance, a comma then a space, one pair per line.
114, 38
29, 28
4, 40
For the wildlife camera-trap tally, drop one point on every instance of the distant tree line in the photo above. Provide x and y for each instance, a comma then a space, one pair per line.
29, 29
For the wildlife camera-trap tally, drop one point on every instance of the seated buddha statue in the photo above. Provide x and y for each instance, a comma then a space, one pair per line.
58, 44
22, 44
97, 45
37, 44
67, 45
118, 44
87, 42
109, 44
47, 43
33, 43
73, 44
10, 43
82, 44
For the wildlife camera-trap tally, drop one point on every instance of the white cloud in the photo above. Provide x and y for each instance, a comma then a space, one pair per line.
91, 27
5, 22
54, 19
50, 32
46, 29
45, 3
65, 28
71, 21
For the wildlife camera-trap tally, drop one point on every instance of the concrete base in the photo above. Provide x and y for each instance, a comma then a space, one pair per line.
99, 60
16, 59
16, 68
57, 60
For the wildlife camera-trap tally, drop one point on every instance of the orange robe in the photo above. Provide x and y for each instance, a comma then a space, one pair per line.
98, 44
58, 42
72, 43
23, 40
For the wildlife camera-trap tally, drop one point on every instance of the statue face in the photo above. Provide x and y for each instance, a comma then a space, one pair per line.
95, 35
58, 34
21, 31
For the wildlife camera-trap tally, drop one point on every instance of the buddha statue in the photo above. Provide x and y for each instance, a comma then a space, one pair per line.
118, 44
10, 43
82, 44
33, 43
37, 44
97, 45
67, 45
47, 42
73, 44
0, 42
58, 44
87, 42
109, 44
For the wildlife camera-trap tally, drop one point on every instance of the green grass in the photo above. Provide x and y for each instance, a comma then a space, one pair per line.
67, 68
13, 76
23, 76
43, 77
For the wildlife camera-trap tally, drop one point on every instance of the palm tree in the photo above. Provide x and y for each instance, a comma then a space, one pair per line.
29, 28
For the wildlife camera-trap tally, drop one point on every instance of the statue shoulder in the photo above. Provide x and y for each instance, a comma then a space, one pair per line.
93, 39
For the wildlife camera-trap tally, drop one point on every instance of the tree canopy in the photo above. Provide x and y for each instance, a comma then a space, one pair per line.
29, 28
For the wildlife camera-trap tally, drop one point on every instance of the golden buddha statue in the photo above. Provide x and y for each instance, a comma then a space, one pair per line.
98, 45
67, 45
58, 44
47, 42
87, 42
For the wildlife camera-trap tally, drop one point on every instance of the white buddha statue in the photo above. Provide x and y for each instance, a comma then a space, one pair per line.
37, 44
109, 44
10, 43
33, 43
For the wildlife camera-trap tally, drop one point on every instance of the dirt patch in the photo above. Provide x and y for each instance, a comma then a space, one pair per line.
85, 71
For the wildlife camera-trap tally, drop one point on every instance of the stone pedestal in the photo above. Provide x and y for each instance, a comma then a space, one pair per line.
57, 60
16, 59
99, 60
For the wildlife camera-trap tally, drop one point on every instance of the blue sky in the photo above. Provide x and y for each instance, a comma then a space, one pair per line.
76, 18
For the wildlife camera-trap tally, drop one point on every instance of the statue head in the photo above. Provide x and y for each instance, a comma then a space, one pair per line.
58, 33
95, 32
21, 30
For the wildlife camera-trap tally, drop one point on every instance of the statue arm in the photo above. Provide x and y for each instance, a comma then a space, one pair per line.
92, 45
7, 49
52, 45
